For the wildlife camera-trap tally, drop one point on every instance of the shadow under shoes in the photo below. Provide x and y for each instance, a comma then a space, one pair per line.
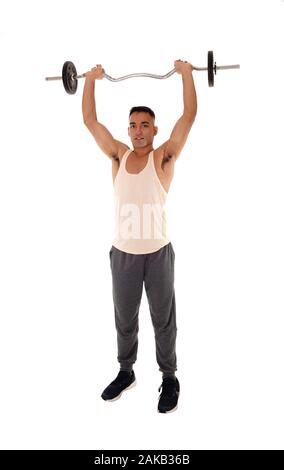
124, 381
169, 397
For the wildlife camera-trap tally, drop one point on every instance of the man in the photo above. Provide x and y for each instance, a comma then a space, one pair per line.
141, 251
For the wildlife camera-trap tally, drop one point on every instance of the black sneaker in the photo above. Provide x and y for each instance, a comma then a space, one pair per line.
169, 396
124, 381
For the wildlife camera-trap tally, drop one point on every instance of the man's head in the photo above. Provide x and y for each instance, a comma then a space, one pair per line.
142, 127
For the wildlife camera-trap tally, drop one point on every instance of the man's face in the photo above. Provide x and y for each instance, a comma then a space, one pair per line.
141, 129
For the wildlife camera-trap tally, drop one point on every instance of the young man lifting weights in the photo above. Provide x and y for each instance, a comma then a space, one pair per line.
141, 252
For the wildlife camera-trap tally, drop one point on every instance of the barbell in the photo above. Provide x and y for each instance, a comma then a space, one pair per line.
70, 77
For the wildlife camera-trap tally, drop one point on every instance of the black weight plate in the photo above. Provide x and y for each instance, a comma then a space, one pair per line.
69, 74
210, 68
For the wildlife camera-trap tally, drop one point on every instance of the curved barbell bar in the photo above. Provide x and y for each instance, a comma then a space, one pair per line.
70, 76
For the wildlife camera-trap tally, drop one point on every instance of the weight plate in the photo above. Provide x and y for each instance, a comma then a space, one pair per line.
210, 68
69, 74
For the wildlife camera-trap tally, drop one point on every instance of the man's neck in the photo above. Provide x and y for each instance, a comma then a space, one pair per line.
140, 153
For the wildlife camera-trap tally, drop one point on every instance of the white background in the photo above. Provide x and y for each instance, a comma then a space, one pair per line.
225, 217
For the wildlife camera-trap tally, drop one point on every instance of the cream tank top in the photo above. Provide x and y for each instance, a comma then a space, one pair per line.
139, 202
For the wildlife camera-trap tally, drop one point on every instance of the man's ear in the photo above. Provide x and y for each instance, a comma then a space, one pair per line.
155, 130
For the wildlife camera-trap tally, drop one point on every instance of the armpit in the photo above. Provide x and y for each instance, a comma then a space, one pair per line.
166, 159
115, 157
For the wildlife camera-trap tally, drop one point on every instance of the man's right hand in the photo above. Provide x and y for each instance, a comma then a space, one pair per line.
96, 73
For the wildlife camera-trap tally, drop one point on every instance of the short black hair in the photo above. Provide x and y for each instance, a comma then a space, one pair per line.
142, 109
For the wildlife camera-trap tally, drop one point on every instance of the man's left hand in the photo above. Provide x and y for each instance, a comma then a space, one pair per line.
183, 66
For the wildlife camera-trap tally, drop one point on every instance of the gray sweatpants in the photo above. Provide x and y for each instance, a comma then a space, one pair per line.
129, 272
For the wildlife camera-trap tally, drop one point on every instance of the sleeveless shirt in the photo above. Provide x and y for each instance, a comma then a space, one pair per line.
139, 202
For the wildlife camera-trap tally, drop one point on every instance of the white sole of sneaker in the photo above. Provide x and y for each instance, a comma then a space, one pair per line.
127, 388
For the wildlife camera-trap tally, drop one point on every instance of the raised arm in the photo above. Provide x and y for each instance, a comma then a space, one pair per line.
102, 136
174, 145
